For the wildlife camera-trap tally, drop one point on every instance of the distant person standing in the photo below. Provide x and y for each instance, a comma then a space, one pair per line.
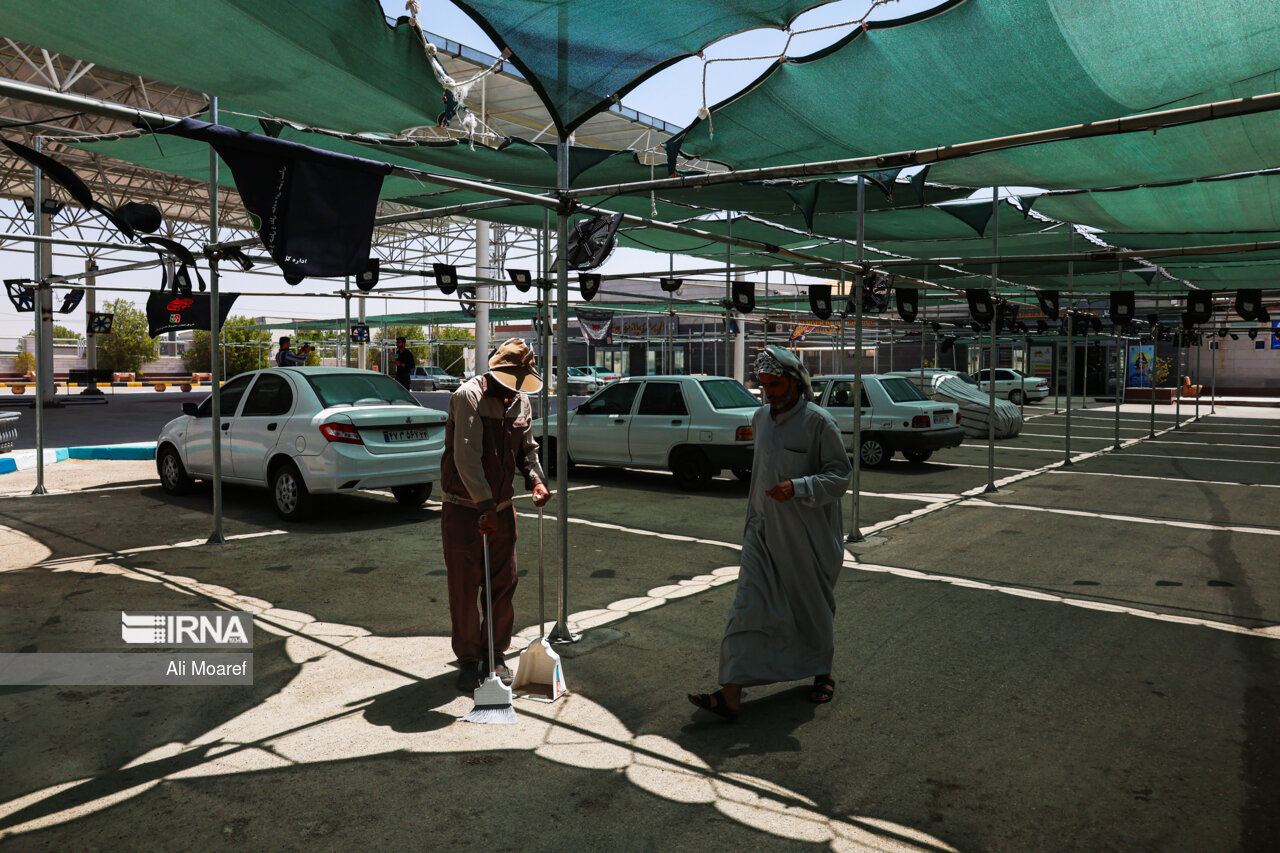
405, 363
288, 358
782, 624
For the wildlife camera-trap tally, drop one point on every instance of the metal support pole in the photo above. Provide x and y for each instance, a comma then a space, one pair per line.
215, 338
91, 339
346, 318
362, 349
1200, 345
991, 367
38, 273
1177, 406
1026, 362
728, 296
1119, 384
561, 632
1213, 377
855, 529
482, 294
1151, 368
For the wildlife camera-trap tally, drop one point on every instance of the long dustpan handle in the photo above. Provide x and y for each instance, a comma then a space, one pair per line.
488, 606
542, 601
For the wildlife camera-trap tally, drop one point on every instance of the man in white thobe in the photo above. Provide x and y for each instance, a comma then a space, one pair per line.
782, 625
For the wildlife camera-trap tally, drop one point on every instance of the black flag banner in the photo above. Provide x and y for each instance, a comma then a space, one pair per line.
597, 326
313, 209
170, 312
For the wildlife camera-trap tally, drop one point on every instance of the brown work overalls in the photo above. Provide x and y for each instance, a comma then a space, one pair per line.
500, 442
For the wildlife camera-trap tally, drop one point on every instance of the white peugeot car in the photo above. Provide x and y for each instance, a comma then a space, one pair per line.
1014, 385
693, 426
302, 431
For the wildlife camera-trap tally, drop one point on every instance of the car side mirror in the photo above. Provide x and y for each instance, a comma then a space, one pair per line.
191, 409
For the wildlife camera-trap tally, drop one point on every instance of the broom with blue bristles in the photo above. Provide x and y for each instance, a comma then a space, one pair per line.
492, 697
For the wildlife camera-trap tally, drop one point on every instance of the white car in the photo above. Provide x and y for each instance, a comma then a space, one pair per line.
303, 431
693, 426
603, 376
433, 379
896, 416
1013, 385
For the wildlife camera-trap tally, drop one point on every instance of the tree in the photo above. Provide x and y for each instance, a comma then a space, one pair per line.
128, 346
330, 338
24, 362
386, 340
449, 356
60, 332
247, 348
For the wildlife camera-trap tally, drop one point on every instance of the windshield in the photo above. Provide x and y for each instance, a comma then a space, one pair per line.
346, 389
573, 371
436, 371
728, 394
901, 391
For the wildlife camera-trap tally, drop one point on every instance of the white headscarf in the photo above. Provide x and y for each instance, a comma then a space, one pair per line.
778, 361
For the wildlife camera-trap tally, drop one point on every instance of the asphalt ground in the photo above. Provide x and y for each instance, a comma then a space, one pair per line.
1084, 660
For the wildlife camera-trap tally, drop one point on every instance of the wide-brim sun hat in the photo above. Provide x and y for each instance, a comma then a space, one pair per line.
513, 364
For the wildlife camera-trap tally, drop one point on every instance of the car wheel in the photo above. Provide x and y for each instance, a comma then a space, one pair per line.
874, 453
415, 495
290, 494
549, 458
174, 478
691, 468
743, 474
917, 456
1015, 397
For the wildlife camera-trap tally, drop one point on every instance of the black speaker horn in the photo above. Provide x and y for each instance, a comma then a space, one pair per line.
446, 277
908, 303
588, 285
1122, 307
980, 305
1249, 306
744, 296
1048, 300
1199, 306
820, 300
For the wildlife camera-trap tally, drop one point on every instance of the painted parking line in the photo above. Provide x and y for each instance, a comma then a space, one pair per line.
1132, 519
1198, 458
1217, 444
1269, 631
1168, 479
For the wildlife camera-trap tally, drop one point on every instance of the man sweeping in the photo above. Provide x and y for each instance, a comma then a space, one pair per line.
487, 437
782, 623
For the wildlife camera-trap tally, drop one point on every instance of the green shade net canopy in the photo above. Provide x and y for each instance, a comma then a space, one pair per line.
978, 69
328, 64
1224, 204
581, 55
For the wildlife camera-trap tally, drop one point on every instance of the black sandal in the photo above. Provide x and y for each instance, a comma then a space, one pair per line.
720, 707
824, 689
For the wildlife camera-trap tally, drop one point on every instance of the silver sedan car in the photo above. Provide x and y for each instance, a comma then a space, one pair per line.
303, 431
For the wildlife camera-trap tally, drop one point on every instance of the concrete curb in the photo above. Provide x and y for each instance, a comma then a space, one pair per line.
25, 460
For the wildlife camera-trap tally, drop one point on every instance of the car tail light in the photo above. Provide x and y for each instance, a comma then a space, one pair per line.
744, 433
920, 422
341, 433
957, 416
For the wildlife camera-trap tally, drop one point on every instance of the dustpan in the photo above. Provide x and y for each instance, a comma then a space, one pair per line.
538, 672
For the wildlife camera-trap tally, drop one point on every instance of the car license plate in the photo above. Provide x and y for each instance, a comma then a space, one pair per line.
942, 417
390, 436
